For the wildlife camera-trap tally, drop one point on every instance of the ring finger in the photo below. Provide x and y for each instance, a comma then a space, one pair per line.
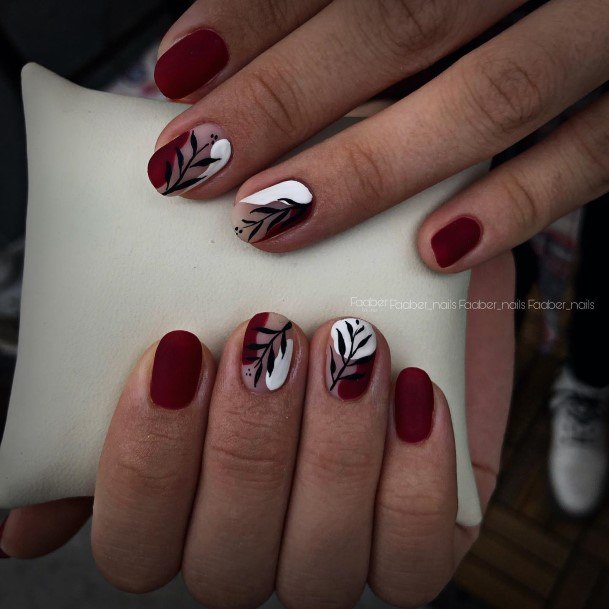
327, 537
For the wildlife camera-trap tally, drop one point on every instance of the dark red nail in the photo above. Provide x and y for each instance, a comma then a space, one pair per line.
413, 405
2, 554
190, 63
455, 240
176, 370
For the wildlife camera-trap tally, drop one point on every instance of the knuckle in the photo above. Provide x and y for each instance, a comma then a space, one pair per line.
276, 98
253, 452
368, 173
399, 28
150, 466
526, 211
592, 142
419, 509
279, 13
505, 94
351, 466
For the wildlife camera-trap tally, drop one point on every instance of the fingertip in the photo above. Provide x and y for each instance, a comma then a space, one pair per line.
450, 246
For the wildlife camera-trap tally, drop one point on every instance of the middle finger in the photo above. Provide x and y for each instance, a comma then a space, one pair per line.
345, 54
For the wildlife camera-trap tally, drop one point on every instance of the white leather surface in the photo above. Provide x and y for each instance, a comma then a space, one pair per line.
111, 266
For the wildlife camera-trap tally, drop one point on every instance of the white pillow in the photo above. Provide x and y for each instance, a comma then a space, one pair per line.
111, 266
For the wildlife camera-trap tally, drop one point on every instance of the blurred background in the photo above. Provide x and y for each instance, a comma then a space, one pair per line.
532, 553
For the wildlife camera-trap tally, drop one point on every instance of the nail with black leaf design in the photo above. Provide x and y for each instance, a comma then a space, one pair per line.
271, 211
189, 160
351, 351
267, 352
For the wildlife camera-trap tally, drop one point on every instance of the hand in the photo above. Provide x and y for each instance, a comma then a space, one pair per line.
274, 72
246, 490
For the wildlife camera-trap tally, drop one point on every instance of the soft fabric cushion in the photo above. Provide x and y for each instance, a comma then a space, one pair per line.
111, 266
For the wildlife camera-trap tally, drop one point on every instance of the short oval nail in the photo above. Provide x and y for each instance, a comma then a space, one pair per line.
189, 160
271, 211
190, 63
268, 345
176, 370
456, 239
414, 404
351, 352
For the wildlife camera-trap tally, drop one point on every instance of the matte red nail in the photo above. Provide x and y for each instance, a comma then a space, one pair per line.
413, 405
190, 63
455, 240
176, 370
2, 554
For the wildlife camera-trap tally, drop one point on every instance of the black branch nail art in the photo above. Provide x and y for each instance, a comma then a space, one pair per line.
271, 211
191, 158
266, 356
351, 356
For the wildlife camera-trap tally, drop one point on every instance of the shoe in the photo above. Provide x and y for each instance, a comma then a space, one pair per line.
578, 453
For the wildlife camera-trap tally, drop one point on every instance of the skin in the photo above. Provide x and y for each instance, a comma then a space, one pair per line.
495, 95
293, 491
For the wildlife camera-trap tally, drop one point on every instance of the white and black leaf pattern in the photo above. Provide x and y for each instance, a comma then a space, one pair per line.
271, 217
268, 354
355, 343
183, 165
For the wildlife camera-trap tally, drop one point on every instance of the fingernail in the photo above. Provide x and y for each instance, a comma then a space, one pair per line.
267, 352
190, 63
271, 211
455, 240
351, 351
176, 370
189, 160
413, 405
2, 554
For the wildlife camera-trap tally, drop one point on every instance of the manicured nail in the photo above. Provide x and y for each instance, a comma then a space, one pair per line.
190, 63
455, 240
2, 554
176, 370
413, 405
271, 211
351, 351
189, 160
267, 352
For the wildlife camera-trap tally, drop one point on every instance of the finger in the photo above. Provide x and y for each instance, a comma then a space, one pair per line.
37, 530
214, 39
150, 465
489, 377
254, 421
283, 97
327, 537
521, 197
416, 504
485, 102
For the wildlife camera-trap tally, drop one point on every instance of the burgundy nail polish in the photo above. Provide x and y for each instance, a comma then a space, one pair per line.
190, 63
176, 370
455, 240
2, 554
413, 405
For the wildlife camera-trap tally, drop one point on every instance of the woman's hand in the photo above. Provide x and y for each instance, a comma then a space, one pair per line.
266, 75
300, 478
